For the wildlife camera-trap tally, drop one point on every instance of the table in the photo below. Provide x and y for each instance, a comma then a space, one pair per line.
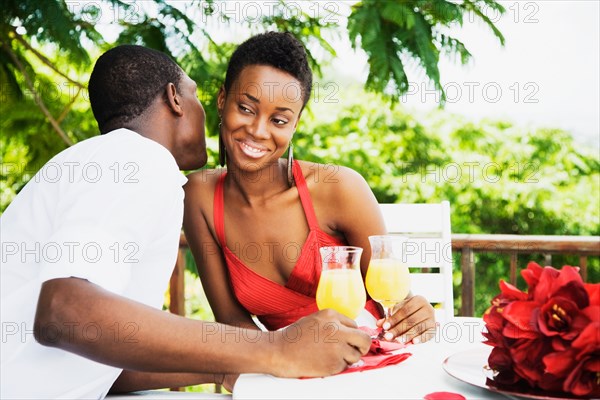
412, 379
420, 374
164, 395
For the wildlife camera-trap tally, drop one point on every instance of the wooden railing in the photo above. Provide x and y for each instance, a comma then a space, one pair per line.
467, 246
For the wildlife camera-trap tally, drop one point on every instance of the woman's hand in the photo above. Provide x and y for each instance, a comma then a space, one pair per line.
413, 320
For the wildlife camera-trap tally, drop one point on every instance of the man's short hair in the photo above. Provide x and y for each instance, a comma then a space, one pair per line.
126, 80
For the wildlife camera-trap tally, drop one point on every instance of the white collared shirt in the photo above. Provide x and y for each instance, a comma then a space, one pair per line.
108, 209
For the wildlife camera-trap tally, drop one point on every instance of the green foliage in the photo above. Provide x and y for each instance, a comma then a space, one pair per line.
45, 57
307, 28
42, 105
499, 179
196, 307
66, 30
394, 33
44, 68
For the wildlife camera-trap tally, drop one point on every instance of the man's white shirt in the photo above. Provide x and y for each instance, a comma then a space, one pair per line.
109, 210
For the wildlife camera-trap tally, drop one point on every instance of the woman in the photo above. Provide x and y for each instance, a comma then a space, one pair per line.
256, 228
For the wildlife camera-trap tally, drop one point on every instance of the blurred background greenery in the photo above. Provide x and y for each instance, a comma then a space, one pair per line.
499, 178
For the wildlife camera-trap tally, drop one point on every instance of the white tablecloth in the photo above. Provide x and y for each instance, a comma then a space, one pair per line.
420, 374
164, 395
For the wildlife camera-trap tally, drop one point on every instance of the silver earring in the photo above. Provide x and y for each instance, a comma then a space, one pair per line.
222, 151
290, 165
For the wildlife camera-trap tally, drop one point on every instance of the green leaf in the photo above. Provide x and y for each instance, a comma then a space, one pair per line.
400, 14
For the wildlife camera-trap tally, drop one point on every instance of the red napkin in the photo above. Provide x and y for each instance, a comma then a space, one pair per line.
380, 346
374, 362
373, 332
379, 355
444, 396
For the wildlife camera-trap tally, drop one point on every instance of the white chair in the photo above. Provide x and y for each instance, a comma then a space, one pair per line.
428, 249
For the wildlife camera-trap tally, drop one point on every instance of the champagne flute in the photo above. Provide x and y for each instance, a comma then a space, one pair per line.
341, 286
388, 279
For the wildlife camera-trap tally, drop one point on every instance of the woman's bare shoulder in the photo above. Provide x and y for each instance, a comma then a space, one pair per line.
201, 184
330, 177
338, 193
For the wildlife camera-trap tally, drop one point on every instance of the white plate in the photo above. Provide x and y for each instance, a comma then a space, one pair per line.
471, 366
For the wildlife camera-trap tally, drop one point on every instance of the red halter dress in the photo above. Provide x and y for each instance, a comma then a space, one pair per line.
276, 305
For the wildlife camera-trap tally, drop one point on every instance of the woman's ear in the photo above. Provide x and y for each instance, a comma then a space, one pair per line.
221, 100
297, 120
173, 99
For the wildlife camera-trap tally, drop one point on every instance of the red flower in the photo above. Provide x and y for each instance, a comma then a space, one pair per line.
570, 285
593, 290
521, 320
560, 316
541, 291
527, 355
493, 316
584, 380
532, 275
559, 363
509, 292
549, 336
503, 365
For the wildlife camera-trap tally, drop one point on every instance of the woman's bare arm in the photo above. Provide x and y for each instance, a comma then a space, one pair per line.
346, 204
207, 253
357, 216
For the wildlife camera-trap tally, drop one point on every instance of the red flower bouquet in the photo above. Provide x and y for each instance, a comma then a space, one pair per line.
547, 338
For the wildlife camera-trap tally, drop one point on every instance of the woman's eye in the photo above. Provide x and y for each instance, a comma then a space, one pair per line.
278, 121
245, 109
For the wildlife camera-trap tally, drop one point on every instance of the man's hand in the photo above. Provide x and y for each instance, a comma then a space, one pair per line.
228, 381
320, 344
413, 320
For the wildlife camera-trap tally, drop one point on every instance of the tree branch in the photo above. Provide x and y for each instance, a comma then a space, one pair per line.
44, 59
64, 113
37, 98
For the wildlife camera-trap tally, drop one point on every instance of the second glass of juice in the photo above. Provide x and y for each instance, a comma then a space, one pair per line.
388, 278
341, 285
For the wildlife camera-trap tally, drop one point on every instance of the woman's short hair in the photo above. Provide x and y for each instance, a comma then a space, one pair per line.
279, 50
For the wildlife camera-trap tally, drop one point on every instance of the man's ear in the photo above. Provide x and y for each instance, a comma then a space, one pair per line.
173, 99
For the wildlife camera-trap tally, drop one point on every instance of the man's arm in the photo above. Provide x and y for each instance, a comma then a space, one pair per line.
131, 381
78, 316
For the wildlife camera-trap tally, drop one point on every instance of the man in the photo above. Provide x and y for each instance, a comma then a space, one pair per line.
90, 242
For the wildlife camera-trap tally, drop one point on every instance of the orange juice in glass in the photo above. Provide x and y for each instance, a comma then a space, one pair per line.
341, 286
388, 279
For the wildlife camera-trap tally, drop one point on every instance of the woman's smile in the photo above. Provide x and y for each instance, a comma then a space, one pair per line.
252, 150
258, 117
